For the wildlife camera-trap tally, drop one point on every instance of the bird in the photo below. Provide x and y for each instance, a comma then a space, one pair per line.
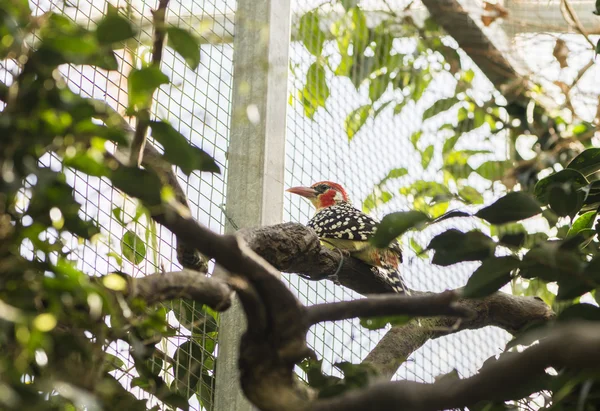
341, 226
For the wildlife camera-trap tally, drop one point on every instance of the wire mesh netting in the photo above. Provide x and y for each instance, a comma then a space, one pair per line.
318, 149
197, 104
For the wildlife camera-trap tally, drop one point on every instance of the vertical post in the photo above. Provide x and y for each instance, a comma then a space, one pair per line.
256, 155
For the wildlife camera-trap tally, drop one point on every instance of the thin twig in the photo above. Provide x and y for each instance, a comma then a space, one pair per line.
571, 18
143, 117
581, 72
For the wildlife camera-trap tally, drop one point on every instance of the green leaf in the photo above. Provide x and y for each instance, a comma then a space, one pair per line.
456, 163
113, 28
375, 199
57, 194
470, 195
493, 170
139, 183
422, 188
583, 222
133, 247
394, 173
516, 240
155, 364
514, 206
550, 217
142, 84
315, 376
426, 156
572, 286
439, 106
548, 261
179, 152
316, 92
493, 274
188, 367
577, 312
419, 85
378, 86
112, 362
186, 44
356, 119
119, 214
568, 175
63, 41
398, 107
310, 33
417, 248
359, 31
207, 392
415, 137
395, 224
587, 162
384, 42
451, 214
195, 317
377, 323
453, 246
348, 4
564, 200
449, 144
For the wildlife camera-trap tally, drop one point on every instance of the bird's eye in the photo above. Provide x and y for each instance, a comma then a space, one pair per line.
322, 188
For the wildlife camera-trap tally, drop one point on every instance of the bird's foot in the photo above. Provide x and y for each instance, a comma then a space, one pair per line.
334, 279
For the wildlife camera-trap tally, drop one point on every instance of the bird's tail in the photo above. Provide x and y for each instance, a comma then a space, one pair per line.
393, 278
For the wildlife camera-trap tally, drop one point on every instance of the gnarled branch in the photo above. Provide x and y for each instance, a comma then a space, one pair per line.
159, 287
509, 312
573, 346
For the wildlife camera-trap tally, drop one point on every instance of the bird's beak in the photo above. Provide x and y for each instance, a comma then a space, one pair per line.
303, 191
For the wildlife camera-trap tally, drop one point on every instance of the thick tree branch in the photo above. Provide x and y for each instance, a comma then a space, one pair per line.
573, 346
295, 248
384, 305
155, 288
509, 312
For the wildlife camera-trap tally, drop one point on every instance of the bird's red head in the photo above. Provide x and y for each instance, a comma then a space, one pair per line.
322, 194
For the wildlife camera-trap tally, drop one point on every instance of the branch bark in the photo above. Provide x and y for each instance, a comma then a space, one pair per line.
294, 248
385, 305
509, 312
155, 288
573, 346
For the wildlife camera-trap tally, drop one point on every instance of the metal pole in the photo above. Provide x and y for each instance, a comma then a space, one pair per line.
256, 155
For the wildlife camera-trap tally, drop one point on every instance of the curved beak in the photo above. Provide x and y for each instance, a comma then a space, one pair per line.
303, 191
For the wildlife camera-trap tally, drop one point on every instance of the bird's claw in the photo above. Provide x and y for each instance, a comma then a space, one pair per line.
345, 253
334, 279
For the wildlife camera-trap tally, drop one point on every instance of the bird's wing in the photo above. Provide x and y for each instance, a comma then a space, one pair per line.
346, 227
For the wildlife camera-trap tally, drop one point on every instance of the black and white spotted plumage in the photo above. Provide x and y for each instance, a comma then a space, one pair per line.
345, 227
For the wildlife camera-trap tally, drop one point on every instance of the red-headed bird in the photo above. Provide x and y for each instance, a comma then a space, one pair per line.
341, 226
